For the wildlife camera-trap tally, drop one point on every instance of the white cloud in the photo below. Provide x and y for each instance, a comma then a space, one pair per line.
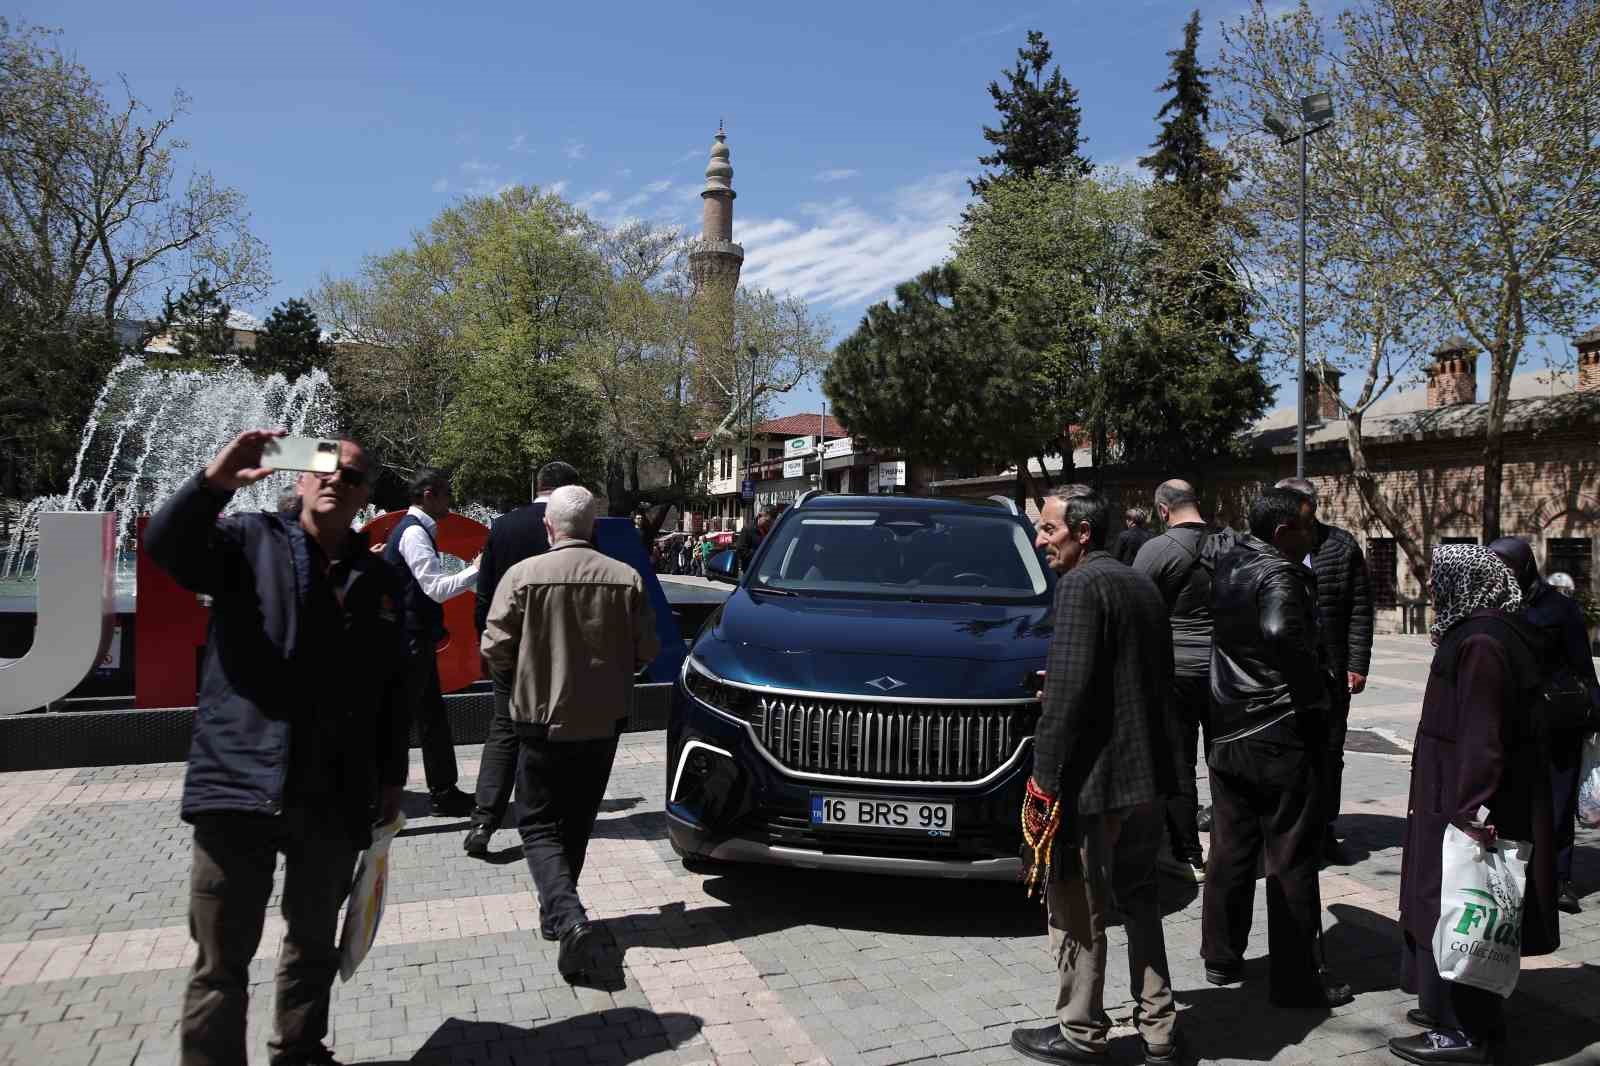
841, 254
838, 174
593, 200
441, 185
478, 166
575, 150
556, 188
656, 187
519, 143
690, 154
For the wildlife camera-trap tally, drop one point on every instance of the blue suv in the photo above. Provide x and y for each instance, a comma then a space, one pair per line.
865, 699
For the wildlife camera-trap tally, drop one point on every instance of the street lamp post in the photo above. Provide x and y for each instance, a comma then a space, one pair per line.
1316, 113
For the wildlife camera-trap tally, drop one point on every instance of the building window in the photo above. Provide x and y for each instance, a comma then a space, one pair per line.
1383, 566
774, 453
725, 464
1573, 556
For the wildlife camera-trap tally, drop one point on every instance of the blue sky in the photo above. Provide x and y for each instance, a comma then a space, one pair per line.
853, 126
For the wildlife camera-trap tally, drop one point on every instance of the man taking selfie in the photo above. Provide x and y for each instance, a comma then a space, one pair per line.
299, 739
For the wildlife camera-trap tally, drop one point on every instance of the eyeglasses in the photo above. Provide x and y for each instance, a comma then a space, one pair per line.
355, 477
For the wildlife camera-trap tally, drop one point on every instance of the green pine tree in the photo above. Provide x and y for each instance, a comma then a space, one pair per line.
198, 324
290, 342
1039, 120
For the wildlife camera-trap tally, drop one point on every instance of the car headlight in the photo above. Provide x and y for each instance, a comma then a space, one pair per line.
717, 694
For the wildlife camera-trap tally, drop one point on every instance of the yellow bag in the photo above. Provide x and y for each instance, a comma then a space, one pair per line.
364, 910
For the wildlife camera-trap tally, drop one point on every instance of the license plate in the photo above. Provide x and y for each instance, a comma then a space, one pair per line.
911, 816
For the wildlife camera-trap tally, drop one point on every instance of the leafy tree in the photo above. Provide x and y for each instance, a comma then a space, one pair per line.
289, 342
197, 325
98, 210
1457, 192
943, 373
1039, 119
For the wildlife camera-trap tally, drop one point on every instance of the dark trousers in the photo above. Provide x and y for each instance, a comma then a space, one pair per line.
433, 724
1190, 718
1338, 725
1264, 806
497, 769
1566, 767
1476, 1013
229, 884
559, 789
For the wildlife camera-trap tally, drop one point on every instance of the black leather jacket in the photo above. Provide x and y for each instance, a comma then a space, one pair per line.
1265, 663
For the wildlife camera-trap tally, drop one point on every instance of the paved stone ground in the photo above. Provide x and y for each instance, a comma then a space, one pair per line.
758, 966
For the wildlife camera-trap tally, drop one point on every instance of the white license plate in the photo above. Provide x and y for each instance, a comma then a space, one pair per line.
912, 816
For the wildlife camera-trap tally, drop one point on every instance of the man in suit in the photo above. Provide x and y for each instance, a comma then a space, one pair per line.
1344, 620
515, 536
1269, 730
1101, 749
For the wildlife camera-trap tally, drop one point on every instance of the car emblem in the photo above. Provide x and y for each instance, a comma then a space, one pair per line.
885, 683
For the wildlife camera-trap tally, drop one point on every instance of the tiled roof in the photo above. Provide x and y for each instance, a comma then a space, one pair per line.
801, 425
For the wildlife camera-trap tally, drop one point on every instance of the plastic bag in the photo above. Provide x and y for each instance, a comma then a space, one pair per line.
1589, 783
364, 911
1478, 940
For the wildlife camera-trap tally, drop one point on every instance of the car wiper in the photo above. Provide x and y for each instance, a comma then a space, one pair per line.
772, 591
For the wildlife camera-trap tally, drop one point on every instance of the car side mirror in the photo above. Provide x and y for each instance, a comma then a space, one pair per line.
724, 566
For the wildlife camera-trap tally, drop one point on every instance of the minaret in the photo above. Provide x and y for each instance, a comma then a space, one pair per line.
715, 260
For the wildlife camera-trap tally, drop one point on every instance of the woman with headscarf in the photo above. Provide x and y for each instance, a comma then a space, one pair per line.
1475, 747
1566, 643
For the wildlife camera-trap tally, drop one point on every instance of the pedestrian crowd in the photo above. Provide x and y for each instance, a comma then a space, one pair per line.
1241, 648
1248, 648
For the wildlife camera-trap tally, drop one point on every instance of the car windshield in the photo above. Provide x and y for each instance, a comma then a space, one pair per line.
933, 554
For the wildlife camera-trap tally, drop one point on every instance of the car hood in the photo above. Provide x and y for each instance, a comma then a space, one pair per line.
936, 650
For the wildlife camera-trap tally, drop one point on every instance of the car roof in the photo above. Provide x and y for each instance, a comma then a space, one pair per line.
856, 501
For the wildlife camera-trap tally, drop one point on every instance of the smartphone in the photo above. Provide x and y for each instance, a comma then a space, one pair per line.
302, 453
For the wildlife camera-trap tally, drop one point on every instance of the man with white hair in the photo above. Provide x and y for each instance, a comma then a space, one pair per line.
566, 633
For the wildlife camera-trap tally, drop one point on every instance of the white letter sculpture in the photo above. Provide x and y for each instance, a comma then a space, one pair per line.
77, 573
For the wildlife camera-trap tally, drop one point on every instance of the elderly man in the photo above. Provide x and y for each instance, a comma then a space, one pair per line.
1181, 562
1344, 619
515, 536
1269, 729
566, 633
413, 551
1103, 764
301, 732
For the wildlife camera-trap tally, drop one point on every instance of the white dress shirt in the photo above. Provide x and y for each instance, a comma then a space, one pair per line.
416, 548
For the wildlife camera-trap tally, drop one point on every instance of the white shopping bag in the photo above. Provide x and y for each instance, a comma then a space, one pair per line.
1478, 940
364, 910
1589, 783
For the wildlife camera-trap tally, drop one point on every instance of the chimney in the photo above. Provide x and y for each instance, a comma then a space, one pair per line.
1322, 394
1588, 347
1453, 376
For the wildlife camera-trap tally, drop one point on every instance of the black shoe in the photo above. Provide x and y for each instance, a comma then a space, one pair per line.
576, 957
477, 842
321, 1056
1421, 1018
1441, 1046
1329, 994
1225, 975
1567, 900
452, 802
1046, 1044
1334, 853
1202, 821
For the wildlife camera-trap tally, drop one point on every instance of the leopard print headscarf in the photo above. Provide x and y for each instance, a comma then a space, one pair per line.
1467, 578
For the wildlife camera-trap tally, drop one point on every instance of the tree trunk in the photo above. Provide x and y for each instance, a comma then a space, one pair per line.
1494, 446
1379, 504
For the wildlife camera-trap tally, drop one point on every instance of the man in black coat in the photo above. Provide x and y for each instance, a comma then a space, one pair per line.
1137, 534
299, 738
1269, 704
1559, 621
515, 536
1101, 750
1344, 620
751, 536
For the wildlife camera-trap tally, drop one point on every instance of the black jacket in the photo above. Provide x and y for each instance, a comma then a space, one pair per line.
1344, 601
745, 544
1125, 545
259, 685
515, 536
424, 614
1265, 665
1558, 620
1101, 742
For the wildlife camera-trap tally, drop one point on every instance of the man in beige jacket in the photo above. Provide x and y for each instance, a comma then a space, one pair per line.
566, 632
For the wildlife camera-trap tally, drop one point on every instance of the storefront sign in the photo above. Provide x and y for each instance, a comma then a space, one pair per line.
794, 468
834, 448
799, 447
891, 475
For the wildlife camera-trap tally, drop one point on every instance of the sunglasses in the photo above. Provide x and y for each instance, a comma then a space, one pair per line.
350, 475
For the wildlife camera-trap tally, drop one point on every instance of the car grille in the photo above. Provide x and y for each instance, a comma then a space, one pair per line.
891, 741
